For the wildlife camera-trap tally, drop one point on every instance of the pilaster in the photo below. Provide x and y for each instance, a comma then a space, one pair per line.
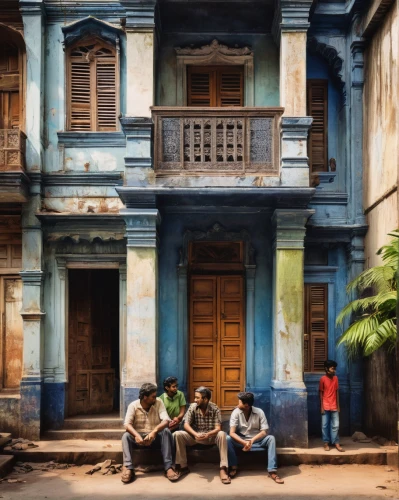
140, 40
141, 300
294, 157
32, 278
289, 414
33, 18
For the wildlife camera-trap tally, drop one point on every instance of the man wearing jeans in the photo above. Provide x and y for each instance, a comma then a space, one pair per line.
248, 431
146, 425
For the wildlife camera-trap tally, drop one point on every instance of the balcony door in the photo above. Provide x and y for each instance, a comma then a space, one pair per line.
215, 86
9, 87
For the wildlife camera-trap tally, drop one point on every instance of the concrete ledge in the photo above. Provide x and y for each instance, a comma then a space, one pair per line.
82, 452
6, 464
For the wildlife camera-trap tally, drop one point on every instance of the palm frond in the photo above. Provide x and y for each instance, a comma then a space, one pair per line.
382, 302
384, 334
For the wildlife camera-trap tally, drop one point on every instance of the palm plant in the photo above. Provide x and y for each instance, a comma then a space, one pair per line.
375, 315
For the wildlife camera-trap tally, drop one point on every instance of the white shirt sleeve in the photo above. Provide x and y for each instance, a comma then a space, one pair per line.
234, 420
264, 426
131, 410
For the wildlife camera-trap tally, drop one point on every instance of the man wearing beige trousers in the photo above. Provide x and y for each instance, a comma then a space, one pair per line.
202, 425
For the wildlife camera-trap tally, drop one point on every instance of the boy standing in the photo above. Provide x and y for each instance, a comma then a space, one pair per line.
174, 401
329, 406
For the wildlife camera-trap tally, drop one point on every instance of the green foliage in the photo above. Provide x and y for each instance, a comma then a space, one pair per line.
374, 316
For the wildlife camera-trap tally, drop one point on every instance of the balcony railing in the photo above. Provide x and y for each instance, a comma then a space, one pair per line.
215, 141
12, 149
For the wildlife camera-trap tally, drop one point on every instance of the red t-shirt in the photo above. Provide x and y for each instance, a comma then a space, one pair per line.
329, 387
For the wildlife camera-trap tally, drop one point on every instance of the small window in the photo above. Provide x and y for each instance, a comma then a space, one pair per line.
215, 86
92, 87
316, 327
317, 102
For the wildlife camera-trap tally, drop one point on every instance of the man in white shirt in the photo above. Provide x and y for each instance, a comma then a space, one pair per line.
248, 431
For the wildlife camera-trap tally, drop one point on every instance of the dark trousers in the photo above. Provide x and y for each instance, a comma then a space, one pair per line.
163, 442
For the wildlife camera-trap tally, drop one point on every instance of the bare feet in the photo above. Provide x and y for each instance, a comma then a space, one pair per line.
224, 477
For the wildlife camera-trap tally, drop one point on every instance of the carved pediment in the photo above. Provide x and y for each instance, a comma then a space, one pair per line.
214, 49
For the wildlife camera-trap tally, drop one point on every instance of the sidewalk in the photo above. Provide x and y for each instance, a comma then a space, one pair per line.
306, 482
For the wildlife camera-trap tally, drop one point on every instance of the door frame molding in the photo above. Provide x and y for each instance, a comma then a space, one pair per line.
216, 233
88, 261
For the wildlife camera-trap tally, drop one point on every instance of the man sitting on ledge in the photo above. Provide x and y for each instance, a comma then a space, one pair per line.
146, 425
202, 424
248, 431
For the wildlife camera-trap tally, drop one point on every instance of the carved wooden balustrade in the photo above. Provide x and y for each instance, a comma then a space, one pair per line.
214, 141
12, 149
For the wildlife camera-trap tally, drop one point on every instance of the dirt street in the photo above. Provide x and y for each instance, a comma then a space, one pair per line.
326, 482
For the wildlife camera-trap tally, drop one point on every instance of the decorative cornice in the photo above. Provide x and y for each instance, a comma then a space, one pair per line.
32, 7
140, 14
141, 227
291, 15
83, 179
91, 139
14, 186
215, 49
70, 10
289, 226
32, 277
90, 26
82, 227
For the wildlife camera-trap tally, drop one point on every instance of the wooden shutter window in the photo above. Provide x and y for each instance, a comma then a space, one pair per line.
211, 86
317, 104
92, 88
316, 327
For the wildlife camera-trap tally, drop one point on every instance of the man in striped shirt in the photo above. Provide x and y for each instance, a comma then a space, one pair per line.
146, 425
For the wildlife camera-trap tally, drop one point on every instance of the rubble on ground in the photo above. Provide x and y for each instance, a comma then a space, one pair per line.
108, 467
360, 437
20, 444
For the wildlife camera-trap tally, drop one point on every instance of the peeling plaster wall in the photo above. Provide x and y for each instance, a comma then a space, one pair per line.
381, 131
266, 65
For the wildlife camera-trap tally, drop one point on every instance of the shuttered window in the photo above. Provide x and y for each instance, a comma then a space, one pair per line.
316, 327
93, 83
317, 99
215, 86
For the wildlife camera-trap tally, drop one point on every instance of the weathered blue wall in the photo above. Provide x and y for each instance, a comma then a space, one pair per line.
172, 231
266, 65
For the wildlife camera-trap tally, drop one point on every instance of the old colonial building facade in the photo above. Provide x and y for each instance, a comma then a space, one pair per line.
180, 194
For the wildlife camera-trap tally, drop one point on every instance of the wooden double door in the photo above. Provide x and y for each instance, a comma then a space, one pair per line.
217, 337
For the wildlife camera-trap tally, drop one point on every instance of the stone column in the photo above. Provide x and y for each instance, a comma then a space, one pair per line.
288, 399
290, 27
140, 41
141, 299
32, 250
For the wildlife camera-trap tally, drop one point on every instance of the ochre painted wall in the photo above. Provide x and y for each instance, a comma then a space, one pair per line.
381, 134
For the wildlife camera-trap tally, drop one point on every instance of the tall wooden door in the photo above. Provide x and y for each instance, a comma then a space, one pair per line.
93, 332
217, 337
12, 333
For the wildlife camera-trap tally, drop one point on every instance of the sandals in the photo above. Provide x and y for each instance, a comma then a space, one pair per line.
224, 477
276, 478
172, 477
128, 476
233, 472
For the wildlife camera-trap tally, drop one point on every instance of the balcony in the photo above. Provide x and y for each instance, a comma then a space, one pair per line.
12, 150
216, 141
14, 182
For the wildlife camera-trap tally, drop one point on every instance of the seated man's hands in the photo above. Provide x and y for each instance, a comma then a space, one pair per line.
248, 445
201, 436
149, 439
174, 423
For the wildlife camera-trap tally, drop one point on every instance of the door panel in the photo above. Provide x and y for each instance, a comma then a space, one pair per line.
13, 334
217, 356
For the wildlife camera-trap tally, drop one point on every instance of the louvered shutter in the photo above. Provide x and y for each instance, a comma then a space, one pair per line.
80, 92
201, 87
230, 91
93, 88
106, 95
317, 99
215, 86
316, 327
